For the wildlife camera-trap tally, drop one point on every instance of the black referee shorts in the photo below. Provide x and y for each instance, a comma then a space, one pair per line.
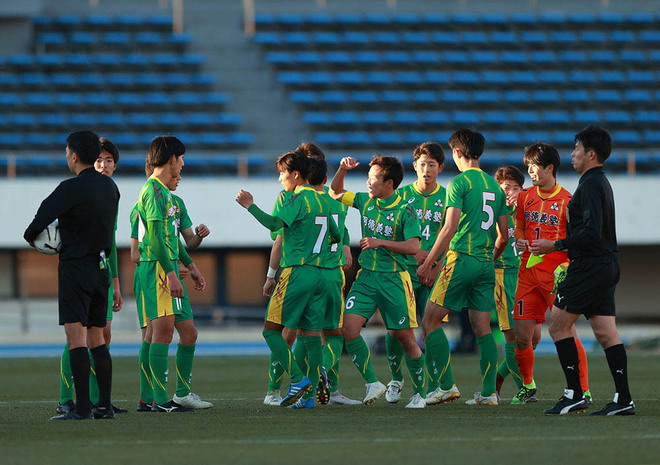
83, 292
588, 288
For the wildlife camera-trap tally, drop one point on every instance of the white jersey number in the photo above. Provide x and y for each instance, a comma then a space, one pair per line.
488, 210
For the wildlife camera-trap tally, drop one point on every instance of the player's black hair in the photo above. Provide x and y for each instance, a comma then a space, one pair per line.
108, 146
163, 148
432, 149
470, 143
86, 145
544, 155
597, 139
391, 168
510, 173
294, 161
318, 169
310, 149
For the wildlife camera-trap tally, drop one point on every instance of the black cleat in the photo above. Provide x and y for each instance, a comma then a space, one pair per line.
170, 407
103, 413
73, 415
567, 405
119, 410
144, 407
323, 389
66, 407
614, 408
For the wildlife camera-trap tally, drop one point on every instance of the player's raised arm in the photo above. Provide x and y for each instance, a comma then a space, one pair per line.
245, 200
424, 272
337, 190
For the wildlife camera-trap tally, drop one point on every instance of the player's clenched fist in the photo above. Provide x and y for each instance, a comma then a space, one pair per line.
348, 163
244, 198
202, 231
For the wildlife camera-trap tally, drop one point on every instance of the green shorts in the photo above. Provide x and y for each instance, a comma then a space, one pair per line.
111, 289
299, 299
186, 309
334, 308
463, 282
137, 291
506, 281
391, 292
156, 299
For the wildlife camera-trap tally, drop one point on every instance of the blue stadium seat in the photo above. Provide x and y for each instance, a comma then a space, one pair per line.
290, 20
348, 20
533, 136
533, 37
638, 96
437, 78
161, 22
582, 19
215, 98
21, 60
552, 18
296, 39
10, 100
504, 38
584, 117
39, 100
562, 38
416, 137
523, 78
364, 97
191, 99
395, 97
52, 39
406, 118
444, 39
592, 37
465, 118
426, 97
116, 39
107, 60
603, 57
379, 20
338, 58
516, 96
311, 59
494, 19
100, 100
168, 120
83, 39
333, 97
495, 117
11, 141
70, 100
350, 79
320, 79
54, 121
415, 39
546, 96
513, 57
652, 137
346, 118
408, 78
83, 119
627, 137
576, 96
378, 78
641, 77
496, 78
355, 38
464, 19
584, 77
474, 38
522, 19
68, 21
376, 118
557, 117
129, 99
98, 21
573, 56
194, 60
367, 57
436, 118
612, 77
201, 120
543, 57
622, 37
128, 21
649, 37
26, 121
396, 58
37, 80
506, 138
484, 57
407, 20
179, 40
320, 20
454, 57
525, 117
112, 120
358, 139
563, 137
436, 20
632, 56
292, 78
331, 139
386, 39
486, 97
553, 77
317, 118
647, 116
268, 39
617, 117
326, 39
303, 97
607, 95
426, 57
141, 120
388, 138
466, 78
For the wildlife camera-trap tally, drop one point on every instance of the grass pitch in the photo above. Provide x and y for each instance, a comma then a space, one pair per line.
240, 429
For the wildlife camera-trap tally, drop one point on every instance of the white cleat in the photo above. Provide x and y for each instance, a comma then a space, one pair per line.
481, 400
416, 401
192, 400
374, 391
337, 399
393, 394
273, 398
440, 396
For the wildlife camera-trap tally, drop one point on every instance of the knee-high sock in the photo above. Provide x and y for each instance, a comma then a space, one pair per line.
314, 347
103, 365
79, 358
568, 358
525, 359
488, 363
417, 376
437, 346
282, 352
618, 363
146, 385
275, 374
300, 353
331, 355
185, 356
394, 356
512, 363
66, 377
584, 367
94, 393
361, 357
159, 365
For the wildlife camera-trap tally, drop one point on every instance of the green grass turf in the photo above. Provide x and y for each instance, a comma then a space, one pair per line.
240, 429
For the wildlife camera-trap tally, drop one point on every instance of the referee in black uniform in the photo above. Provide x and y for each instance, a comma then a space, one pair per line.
86, 206
591, 277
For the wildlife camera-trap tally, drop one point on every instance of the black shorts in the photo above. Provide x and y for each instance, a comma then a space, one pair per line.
83, 292
588, 288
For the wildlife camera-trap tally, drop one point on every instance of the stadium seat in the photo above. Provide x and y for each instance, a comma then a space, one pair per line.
358, 139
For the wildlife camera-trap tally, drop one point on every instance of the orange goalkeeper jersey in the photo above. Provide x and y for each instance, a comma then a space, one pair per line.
542, 215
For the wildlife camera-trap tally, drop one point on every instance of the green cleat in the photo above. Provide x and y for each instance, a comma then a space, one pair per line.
523, 396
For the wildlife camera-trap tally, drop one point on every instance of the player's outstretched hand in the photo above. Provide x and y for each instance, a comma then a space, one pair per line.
176, 289
183, 272
348, 163
369, 243
244, 198
202, 231
197, 277
269, 286
522, 244
542, 246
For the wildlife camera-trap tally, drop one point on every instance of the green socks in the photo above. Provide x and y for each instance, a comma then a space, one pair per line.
275, 374
314, 347
488, 364
146, 386
417, 376
281, 351
185, 356
300, 353
437, 347
394, 356
510, 353
66, 377
331, 355
159, 365
362, 358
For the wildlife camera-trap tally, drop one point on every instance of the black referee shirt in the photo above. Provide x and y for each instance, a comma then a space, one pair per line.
591, 229
86, 206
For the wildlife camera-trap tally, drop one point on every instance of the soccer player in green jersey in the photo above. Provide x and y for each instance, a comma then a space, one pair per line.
390, 232
427, 198
475, 223
307, 225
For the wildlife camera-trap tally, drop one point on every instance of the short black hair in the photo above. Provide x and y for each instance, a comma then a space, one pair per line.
86, 145
432, 149
162, 148
108, 146
294, 161
471, 143
510, 173
318, 169
544, 155
310, 149
596, 138
391, 168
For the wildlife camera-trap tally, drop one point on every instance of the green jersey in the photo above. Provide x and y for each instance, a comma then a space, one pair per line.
155, 204
481, 202
183, 220
391, 219
510, 258
309, 224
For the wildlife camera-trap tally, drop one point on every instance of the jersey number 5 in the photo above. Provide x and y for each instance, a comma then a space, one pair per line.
488, 210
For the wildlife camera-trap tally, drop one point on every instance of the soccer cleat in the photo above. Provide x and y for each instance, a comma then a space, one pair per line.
614, 408
303, 403
567, 405
393, 394
191, 400
323, 389
440, 396
483, 400
374, 391
170, 407
337, 399
66, 407
532, 399
103, 413
273, 398
296, 391
587, 396
119, 410
523, 396
73, 415
144, 406
416, 401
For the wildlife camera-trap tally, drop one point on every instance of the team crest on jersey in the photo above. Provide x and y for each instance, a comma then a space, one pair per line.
390, 217
438, 203
554, 206
173, 210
